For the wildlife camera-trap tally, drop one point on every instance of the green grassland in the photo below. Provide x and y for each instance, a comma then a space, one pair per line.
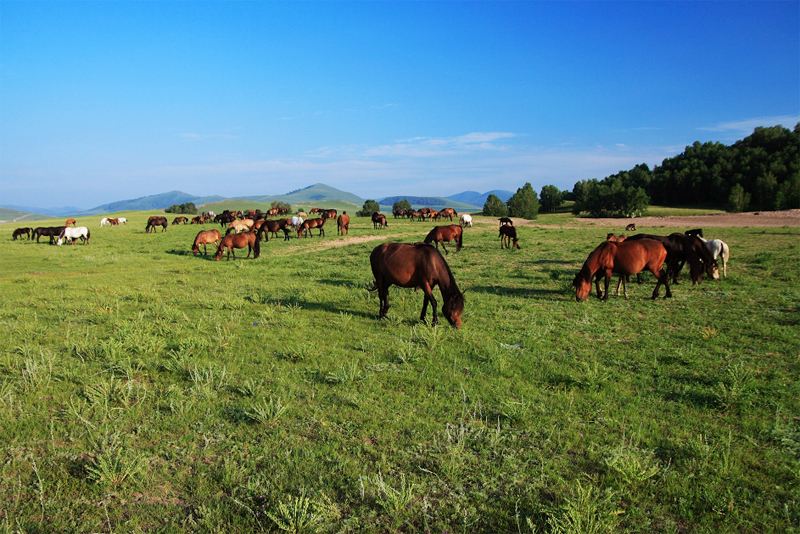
143, 388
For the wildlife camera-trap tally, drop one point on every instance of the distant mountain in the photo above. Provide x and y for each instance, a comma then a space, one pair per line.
432, 202
12, 215
311, 195
60, 211
479, 199
152, 202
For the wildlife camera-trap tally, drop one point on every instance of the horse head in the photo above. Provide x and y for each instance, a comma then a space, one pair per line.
453, 307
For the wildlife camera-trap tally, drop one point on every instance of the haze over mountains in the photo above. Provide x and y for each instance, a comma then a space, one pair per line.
311, 195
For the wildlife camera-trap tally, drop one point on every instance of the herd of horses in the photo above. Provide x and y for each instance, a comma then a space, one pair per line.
422, 266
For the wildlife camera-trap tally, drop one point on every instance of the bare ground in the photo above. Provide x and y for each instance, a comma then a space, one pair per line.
752, 218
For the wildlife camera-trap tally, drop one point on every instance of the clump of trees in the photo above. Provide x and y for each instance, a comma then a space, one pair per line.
369, 207
401, 205
619, 195
187, 207
524, 203
550, 199
281, 205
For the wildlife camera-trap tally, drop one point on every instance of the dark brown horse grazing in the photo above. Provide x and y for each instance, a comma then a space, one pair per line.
205, 237
233, 241
419, 266
47, 231
343, 224
156, 220
625, 259
19, 232
508, 236
682, 249
180, 219
445, 234
305, 228
449, 213
379, 220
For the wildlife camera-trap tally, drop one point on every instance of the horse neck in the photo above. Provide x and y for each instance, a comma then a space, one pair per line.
447, 283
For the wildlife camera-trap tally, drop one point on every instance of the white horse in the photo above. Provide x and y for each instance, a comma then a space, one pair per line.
297, 220
122, 220
466, 219
72, 233
105, 222
719, 249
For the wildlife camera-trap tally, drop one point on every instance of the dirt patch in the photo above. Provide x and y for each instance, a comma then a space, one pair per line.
738, 220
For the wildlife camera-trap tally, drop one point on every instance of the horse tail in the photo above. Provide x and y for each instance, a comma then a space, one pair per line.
88, 234
726, 252
257, 244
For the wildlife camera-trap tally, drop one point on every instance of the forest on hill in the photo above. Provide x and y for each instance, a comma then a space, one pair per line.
759, 172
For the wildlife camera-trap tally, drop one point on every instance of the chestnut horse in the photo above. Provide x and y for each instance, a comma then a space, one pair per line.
343, 224
379, 220
682, 249
442, 234
449, 213
205, 237
418, 266
155, 220
233, 241
305, 228
70, 221
19, 232
180, 219
625, 259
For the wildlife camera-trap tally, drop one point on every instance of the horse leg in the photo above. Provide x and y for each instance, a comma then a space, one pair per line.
383, 296
429, 298
445, 248
607, 281
597, 286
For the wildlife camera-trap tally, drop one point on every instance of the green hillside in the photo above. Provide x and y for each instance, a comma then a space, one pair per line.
313, 195
243, 204
9, 215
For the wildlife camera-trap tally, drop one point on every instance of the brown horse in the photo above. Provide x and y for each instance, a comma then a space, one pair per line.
197, 220
70, 221
305, 228
506, 221
508, 236
418, 266
180, 219
625, 259
155, 220
343, 224
379, 220
19, 232
233, 241
205, 237
328, 214
449, 213
113, 221
445, 234
630, 227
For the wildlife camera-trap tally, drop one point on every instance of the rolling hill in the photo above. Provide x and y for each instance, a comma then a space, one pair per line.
151, 202
433, 202
12, 215
313, 194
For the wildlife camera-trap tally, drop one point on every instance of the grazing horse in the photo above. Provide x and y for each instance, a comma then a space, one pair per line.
122, 220
70, 221
180, 219
508, 236
198, 219
506, 221
343, 224
449, 213
205, 237
466, 220
328, 214
234, 241
244, 225
19, 232
305, 228
418, 266
105, 221
718, 249
155, 220
379, 220
698, 232
630, 227
445, 234
113, 221
50, 231
680, 250
72, 233
625, 259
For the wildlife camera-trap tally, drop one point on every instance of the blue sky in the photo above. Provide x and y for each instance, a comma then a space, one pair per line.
102, 101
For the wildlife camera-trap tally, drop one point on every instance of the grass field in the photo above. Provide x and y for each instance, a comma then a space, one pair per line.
143, 388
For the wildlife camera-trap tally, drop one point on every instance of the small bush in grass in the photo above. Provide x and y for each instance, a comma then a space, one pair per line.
587, 511
266, 412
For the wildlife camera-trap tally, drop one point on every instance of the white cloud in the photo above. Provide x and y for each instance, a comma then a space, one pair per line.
748, 125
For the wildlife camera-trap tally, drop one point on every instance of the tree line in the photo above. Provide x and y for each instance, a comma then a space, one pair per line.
759, 172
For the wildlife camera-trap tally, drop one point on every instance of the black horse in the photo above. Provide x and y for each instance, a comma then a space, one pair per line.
682, 249
47, 231
19, 232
